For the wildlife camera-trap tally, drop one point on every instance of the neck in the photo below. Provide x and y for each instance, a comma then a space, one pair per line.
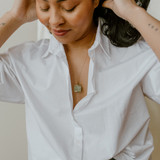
85, 42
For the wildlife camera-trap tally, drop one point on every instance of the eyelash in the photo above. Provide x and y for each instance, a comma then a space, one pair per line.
70, 10
44, 10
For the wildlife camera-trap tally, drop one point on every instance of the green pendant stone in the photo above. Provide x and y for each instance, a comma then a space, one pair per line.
77, 88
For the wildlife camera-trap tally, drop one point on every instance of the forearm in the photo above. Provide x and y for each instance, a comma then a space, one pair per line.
8, 25
148, 26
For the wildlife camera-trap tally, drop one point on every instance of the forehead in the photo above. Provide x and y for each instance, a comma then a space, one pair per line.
59, 1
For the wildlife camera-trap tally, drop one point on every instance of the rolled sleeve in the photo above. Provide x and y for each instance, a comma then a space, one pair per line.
10, 88
151, 82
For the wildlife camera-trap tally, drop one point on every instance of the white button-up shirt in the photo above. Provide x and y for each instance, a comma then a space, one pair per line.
111, 121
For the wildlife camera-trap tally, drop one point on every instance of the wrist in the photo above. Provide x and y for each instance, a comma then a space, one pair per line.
133, 14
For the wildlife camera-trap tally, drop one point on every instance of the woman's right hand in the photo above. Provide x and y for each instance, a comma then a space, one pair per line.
24, 10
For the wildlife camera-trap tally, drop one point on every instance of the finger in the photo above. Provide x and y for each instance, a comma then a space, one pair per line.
108, 4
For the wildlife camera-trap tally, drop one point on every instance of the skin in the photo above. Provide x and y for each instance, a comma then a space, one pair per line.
120, 7
80, 23
23, 11
75, 16
148, 26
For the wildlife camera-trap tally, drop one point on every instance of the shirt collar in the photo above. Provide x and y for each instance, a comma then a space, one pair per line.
56, 48
101, 40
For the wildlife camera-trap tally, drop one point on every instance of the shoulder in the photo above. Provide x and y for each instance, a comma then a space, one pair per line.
139, 49
141, 46
142, 49
29, 48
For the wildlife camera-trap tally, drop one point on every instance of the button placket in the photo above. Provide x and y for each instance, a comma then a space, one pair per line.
78, 141
78, 133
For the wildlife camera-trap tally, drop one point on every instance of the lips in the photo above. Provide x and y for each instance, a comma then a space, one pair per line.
60, 32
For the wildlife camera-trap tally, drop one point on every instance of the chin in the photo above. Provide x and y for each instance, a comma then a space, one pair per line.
64, 40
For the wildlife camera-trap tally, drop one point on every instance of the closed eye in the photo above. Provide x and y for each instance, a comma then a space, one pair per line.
44, 9
70, 10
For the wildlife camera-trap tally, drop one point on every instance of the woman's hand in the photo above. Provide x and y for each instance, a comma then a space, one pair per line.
121, 8
24, 10
148, 26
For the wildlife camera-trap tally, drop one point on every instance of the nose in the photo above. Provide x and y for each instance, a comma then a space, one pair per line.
56, 18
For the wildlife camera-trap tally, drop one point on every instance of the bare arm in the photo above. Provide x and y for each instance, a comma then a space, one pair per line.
22, 11
8, 25
148, 26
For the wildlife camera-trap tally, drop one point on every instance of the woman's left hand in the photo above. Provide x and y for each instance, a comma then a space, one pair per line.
121, 8
148, 26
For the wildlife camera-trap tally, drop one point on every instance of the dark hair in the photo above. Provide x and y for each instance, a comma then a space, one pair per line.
120, 32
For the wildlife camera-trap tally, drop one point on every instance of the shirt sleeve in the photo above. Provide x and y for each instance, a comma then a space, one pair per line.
10, 88
151, 81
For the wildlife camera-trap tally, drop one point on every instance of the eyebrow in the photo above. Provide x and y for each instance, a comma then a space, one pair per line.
60, 0
56, 1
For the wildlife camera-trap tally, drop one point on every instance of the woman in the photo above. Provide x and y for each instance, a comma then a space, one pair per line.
84, 93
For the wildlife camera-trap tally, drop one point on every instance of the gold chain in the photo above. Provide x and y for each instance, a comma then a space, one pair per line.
78, 87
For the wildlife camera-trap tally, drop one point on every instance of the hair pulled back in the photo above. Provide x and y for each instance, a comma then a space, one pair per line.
120, 32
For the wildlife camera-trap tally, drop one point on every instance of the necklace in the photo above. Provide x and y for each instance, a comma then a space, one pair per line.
78, 87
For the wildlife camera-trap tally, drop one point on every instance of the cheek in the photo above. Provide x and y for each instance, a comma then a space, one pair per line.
81, 18
43, 18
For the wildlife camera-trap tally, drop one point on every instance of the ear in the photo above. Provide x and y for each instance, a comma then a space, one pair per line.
96, 3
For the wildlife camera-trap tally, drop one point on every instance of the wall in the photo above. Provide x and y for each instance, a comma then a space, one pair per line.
13, 144
154, 109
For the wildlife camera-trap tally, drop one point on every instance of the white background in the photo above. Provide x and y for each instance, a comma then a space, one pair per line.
13, 143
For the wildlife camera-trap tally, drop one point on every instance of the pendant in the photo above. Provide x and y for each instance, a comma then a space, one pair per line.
77, 88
